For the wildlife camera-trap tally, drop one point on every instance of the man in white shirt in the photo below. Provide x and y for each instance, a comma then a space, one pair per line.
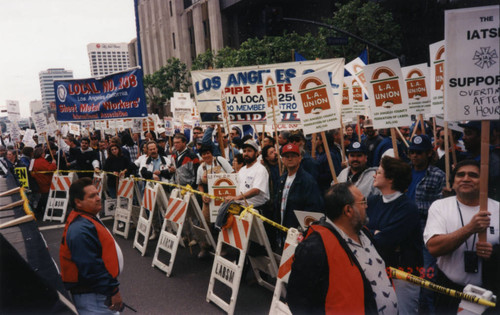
451, 234
253, 179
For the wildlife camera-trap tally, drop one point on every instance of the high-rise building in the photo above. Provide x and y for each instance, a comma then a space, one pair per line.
177, 28
47, 79
106, 58
186, 28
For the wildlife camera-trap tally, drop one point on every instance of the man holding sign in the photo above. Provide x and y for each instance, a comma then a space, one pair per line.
451, 234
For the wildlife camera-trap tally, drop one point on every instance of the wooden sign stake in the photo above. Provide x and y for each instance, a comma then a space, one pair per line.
329, 157
485, 161
394, 143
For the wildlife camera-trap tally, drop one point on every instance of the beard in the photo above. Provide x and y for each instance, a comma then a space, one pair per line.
359, 222
249, 160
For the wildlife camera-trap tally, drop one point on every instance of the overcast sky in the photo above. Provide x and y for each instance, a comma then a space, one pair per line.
39, 34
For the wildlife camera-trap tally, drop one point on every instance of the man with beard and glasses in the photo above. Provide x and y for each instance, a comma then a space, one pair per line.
358, 171
395, 225
337, 268
253, 179
451, 235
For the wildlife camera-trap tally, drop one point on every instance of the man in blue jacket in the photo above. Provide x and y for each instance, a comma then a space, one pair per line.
297, 190
90, 258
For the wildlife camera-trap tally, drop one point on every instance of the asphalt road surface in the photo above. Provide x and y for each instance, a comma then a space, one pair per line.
150, 291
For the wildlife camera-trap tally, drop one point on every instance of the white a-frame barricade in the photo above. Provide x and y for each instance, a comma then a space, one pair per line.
154, 197
125, 206
278, 306
178, 211
108, 204
238, 234
57, 203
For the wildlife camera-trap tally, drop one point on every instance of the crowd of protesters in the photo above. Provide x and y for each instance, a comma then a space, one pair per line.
400, 196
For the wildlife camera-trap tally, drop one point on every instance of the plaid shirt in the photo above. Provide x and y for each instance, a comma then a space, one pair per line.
429, 189
133, 150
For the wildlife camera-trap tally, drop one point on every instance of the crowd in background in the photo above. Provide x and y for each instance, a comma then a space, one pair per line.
286, 173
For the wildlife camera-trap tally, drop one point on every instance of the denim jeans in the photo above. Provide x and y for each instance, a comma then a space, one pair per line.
91, 303
408, 296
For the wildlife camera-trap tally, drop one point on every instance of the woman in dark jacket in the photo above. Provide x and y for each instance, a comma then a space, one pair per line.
119, 165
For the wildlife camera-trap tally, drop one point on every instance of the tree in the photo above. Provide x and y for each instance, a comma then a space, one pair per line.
268, 50
369, 21
161, 85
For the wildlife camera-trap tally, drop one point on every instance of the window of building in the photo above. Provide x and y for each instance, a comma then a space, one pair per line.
173, 40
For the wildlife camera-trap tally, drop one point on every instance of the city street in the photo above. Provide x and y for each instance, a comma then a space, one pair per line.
150, 291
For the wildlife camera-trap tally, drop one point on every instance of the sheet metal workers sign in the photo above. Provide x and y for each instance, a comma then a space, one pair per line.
472, 64
119, 95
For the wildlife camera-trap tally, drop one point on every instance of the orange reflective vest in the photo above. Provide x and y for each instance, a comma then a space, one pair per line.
345, 283
69, 270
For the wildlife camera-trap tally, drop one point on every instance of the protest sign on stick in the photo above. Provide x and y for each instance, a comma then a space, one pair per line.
273, 111
417, 86
316, 106
472, 76
388, 97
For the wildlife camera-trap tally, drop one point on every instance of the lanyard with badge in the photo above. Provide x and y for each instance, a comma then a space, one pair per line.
471, 260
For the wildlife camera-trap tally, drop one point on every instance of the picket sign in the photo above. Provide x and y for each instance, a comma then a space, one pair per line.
278, 306
57, 203
154, 197
179, 211
238, 235
109, 204
125, 206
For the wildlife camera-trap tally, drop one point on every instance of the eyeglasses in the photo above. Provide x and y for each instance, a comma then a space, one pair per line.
416, 152
470, 174
363, 202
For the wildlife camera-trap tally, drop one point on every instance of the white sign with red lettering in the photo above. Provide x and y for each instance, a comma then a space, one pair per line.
387, 94
315, 102
346, 107
417, 86
472, 76
74, 129
437, 57
356, 69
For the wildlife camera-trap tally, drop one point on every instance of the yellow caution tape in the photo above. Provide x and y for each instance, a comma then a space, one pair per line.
184, 190
399, 274
26, 205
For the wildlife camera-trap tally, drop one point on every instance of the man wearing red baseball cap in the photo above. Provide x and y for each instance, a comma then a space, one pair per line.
297, 189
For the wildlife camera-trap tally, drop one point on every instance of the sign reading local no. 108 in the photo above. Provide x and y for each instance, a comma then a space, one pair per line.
472, 72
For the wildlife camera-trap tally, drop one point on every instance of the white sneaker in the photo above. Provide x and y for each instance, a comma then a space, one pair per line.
153, 235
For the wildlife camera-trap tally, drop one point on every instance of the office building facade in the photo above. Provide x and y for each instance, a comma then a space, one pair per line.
47, 78
107, 58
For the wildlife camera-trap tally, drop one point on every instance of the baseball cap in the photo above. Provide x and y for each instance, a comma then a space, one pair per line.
356, 147
290, 148
160, 130
368, 123
473, 124
252, 144
421, 143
